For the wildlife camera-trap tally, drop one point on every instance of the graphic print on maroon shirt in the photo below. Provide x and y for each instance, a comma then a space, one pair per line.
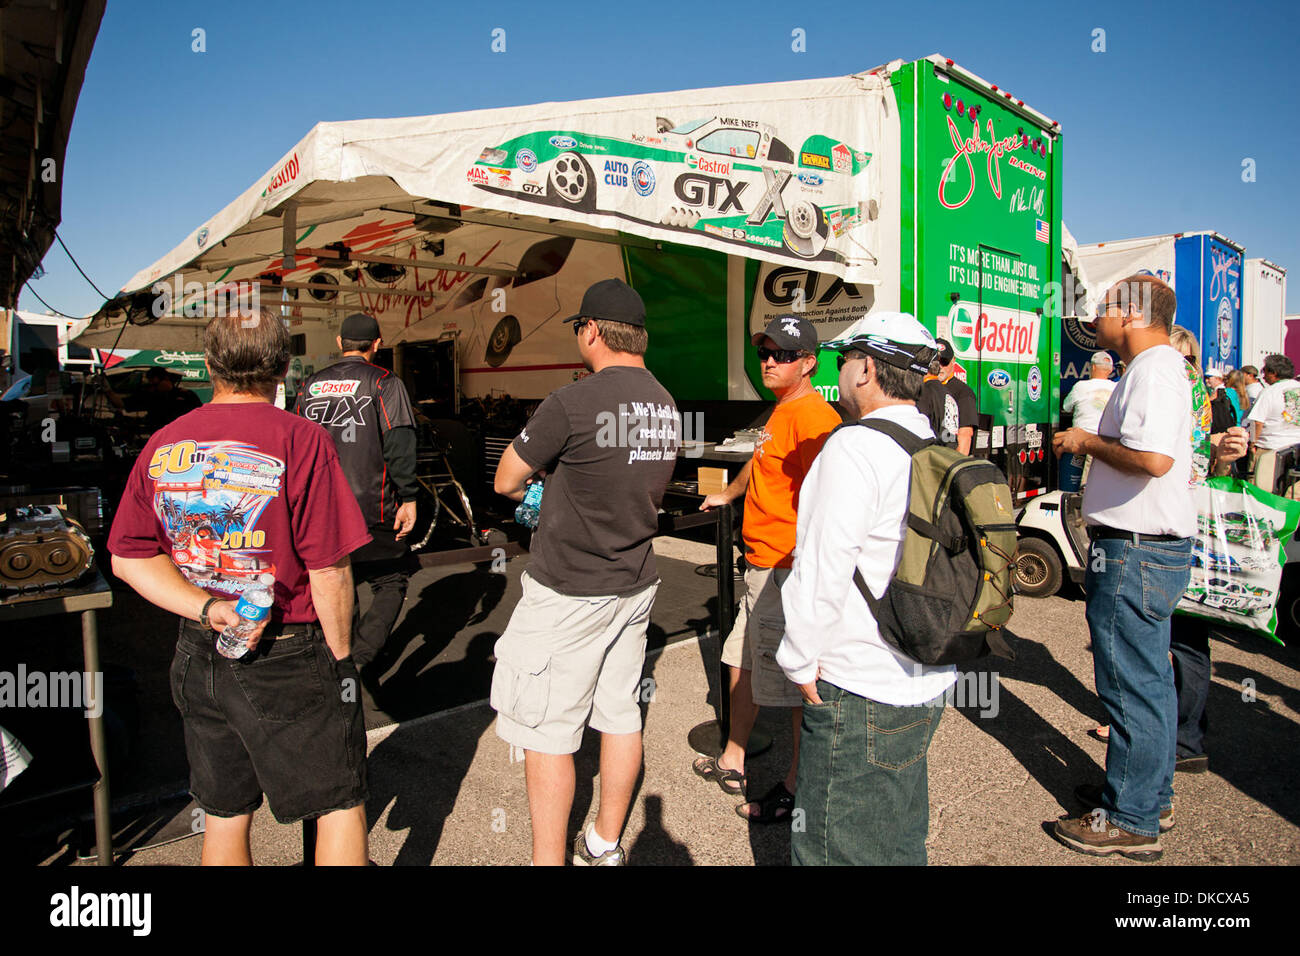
238, 495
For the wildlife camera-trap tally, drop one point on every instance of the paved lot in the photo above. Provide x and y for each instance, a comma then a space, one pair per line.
445, 791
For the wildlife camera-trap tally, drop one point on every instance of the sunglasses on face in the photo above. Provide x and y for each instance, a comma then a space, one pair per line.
848, 357
782, 356
577, 326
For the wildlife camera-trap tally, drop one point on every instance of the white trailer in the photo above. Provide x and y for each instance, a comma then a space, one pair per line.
1263, 323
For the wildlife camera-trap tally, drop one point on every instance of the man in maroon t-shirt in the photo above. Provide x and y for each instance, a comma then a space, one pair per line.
234, 494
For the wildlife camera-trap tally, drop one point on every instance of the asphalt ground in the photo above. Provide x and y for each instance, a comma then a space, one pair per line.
1004, 763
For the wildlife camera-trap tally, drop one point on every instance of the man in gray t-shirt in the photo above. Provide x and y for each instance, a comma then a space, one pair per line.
574, 649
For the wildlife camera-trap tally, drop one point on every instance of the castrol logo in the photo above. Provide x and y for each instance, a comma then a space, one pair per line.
993, 333
346, 386
283, 176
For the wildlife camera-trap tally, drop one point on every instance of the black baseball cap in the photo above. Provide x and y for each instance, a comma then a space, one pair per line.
945, 351
790, 332
612, 300
359, 327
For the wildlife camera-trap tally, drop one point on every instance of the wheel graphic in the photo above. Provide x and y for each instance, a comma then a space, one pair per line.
572, 181
505, 336
806, 229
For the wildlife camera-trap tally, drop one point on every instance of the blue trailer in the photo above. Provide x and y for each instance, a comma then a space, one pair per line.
1206, 272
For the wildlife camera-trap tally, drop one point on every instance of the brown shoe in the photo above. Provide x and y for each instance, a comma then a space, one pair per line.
1093, 834
1089, 794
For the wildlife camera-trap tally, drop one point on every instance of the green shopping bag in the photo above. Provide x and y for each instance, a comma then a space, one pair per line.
1238, 554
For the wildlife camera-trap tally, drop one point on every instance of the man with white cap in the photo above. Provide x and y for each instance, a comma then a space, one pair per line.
1086, 401
870, 712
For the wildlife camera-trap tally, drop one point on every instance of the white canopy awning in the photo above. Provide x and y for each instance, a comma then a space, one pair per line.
782, 172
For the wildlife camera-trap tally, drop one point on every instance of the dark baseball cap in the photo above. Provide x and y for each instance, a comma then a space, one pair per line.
612, 300
359, 327
790, 332
946, 354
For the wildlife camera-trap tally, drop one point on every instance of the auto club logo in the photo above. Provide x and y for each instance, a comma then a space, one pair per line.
1035, 383
527, 160
643, 178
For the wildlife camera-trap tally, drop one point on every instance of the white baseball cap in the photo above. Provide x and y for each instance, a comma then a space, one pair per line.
1102, 358
893, 337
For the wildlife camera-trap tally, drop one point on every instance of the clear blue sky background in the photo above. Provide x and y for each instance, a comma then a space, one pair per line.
1155, 129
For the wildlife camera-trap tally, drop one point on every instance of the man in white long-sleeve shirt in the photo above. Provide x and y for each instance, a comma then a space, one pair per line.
869, 710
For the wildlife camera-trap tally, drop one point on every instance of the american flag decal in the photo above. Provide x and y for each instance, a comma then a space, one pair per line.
1042, 232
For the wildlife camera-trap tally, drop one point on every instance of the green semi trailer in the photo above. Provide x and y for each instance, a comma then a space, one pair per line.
915, 186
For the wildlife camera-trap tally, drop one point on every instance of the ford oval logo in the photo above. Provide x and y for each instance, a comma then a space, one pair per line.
810, 179
999, 379
563, 142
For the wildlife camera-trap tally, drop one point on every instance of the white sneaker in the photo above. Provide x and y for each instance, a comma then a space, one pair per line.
582, 856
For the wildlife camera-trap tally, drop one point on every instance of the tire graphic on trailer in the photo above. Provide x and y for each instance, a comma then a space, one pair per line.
806, 229
505, 336
571, 181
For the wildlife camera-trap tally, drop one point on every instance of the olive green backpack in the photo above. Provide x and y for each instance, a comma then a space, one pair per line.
951, 593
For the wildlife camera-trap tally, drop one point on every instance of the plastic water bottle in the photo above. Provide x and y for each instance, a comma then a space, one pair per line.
254, 605
530, 509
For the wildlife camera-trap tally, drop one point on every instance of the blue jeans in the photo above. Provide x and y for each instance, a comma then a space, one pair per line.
863, 785
1131, 592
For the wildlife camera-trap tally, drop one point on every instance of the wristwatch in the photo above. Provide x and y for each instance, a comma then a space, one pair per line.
203, 615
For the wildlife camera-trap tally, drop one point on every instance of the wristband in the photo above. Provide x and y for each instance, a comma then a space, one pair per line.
203, 615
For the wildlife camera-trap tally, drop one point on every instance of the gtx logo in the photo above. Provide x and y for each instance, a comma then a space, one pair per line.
532, 189
697, 190
337, 412
784, 284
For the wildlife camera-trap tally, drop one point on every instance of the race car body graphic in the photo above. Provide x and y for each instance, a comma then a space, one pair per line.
209, 496
731, 178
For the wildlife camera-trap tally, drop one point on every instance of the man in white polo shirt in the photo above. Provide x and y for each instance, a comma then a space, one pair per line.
1274, 420
1086, 401
869, 711
1141, 518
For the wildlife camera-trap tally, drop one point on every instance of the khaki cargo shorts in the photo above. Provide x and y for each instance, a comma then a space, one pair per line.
567, 662
756, 635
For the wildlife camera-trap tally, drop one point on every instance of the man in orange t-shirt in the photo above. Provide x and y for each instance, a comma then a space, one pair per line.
799, 425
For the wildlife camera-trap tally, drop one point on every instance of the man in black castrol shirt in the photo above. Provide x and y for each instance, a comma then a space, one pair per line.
367, 412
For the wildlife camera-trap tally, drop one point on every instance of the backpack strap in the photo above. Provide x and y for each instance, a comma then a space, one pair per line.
910, 443
906, 439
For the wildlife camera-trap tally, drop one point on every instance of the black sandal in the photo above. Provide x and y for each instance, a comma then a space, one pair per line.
707, 767
770, 806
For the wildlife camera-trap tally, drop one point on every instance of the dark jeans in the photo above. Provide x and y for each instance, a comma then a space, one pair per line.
1131, 592
1190, 644
283, 721
863, 785
386, 565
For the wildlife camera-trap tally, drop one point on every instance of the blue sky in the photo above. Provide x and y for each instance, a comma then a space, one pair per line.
1155, 128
